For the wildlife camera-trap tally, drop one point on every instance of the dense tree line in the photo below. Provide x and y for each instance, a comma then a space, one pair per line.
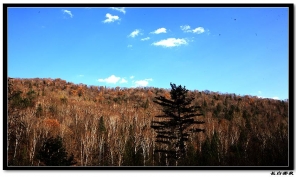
101, 126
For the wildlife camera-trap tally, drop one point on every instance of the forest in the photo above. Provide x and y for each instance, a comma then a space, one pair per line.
52, 122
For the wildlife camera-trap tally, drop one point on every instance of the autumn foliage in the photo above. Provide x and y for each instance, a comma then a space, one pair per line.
102, 126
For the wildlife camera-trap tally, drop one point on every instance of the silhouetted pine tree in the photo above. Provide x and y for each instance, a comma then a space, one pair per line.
176, 124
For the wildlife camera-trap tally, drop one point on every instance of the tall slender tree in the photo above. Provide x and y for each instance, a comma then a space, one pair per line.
177, 122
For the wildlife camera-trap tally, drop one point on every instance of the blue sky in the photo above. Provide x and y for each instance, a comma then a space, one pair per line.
230, 50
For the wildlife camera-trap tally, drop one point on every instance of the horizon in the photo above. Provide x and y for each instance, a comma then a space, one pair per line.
242, 51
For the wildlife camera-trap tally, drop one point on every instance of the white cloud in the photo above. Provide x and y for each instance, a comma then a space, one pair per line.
145, 39
129, 46
132, 77
142, 83
123, 80
81, 75
187, 29
134, 33
198, 30
170, 42
111, 18
120, 9
112, 79
68, 12
259, 92
275, 98
159, 30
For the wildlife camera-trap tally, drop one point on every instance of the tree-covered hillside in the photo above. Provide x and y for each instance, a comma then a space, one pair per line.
99, 126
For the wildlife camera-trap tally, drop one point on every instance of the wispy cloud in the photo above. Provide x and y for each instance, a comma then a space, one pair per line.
142, 83
81, 75
123, 80
145, 39
120, 9
275, 97
112, 79
68, 12
159, 30
129, 46
170, 42
134, 33
111, 18
187, 29
198, 30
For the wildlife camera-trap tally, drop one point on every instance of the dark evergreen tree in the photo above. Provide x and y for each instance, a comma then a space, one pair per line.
102, 127
39, 111
209, 155
130, 157
205, 104
176, 124
146, 104
52, 153
217, 110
